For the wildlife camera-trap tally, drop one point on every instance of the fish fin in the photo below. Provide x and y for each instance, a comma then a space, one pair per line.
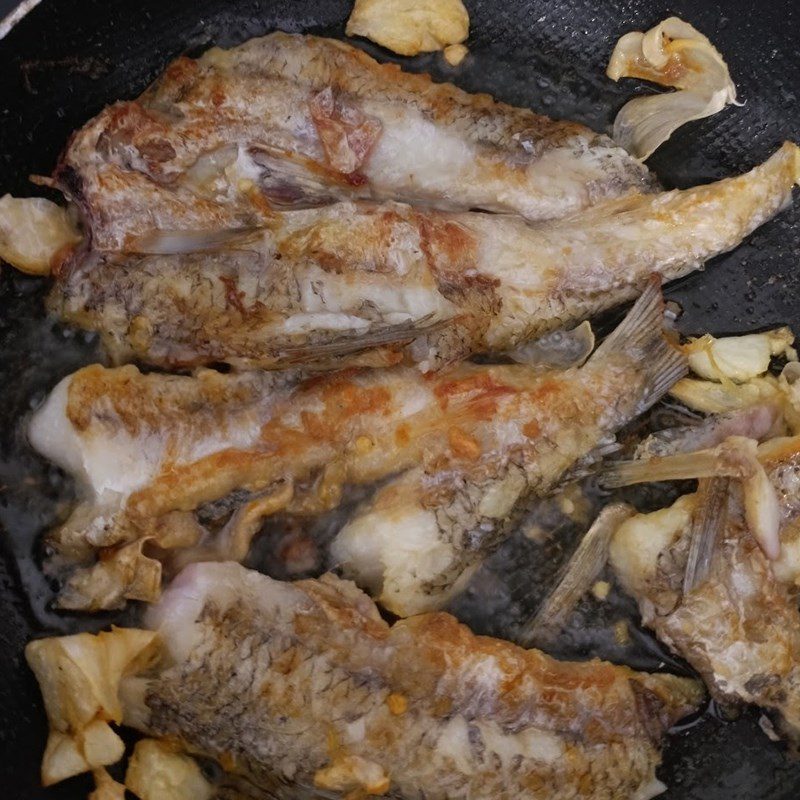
755, 422
557, 350
351, 343
733, 458
290, 182
680, 467
667, 442
162, 242
636, 329
641, 338
591, 462
708, 520
577, 577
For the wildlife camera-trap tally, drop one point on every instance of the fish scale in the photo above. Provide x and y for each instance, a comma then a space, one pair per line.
459, 734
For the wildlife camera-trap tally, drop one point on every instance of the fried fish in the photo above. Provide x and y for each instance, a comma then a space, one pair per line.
302, 687
377, 284
468, 445
289, 120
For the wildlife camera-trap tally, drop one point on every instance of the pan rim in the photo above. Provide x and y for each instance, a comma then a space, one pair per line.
15, 16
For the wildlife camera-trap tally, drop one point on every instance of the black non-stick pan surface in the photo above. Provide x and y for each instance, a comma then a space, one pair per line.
68, 58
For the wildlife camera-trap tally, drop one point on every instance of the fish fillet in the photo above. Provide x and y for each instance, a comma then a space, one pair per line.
377, 284
304, 685
740, 627
289, 120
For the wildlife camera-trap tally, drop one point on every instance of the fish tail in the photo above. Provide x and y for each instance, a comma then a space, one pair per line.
641, 341
289, 182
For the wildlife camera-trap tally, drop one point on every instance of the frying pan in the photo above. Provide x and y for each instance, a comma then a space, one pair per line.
66, 59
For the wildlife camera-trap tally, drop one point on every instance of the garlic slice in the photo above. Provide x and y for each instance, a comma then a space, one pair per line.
454, 54
122, 574
738, 358
789, 383
638, 543
159, 771
33, 232
672, 54
762, 510
710, 397
645, 123
106, 788
410, 27
79, 677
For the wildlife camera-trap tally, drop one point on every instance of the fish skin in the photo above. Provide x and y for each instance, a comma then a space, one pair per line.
740, 628
318, 120
282, 682
364, 284
144, 446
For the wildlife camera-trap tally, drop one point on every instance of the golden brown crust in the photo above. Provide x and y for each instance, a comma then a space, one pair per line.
342, 102
153, 401
443, 645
